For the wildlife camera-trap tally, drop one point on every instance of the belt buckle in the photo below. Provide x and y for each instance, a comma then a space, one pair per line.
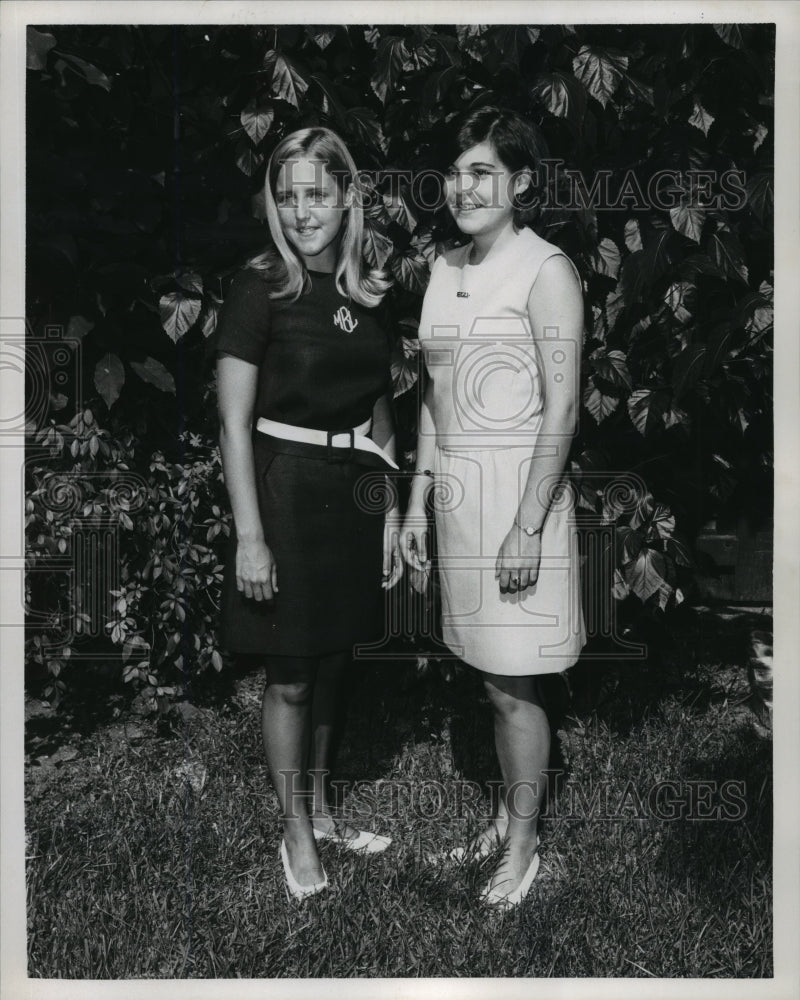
350, 446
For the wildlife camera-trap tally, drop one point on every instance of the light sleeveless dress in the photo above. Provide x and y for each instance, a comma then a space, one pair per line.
488, 398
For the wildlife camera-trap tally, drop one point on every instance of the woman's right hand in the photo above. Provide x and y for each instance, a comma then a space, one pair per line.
256, 570
414, 539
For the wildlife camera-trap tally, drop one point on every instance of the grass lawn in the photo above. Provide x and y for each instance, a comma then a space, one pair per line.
153, 849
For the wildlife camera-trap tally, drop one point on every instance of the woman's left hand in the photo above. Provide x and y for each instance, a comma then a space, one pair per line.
517, 565
392, 558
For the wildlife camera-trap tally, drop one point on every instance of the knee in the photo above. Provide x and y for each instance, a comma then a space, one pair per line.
509, 699
503, 703
297, 694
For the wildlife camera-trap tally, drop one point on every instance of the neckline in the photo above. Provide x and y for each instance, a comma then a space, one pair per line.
496, 256
320, 274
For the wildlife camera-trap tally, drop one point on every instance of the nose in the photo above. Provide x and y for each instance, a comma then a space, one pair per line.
301, 209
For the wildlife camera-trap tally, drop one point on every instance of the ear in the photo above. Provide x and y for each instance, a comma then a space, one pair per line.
523, 181
348, 196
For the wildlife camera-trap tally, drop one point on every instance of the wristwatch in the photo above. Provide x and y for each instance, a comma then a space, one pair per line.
529, 530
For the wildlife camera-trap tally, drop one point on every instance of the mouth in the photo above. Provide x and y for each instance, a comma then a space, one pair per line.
305, 230
465, 207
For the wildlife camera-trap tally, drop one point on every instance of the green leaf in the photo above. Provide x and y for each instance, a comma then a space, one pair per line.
389, 60
700, 118
688, 368
613, 367
759, 311
642, 269
399, 210
727, 253
677, 297
330, 98
405, 368
322, 36
257, 120
412, 268
688, 219
190, 281
597, 403
647, 575
629, 543
633, 237
619, 588
472, 38
731, 34
248, 160
152, 371
78, 327
377, 247
607, 258
109, 377
287, 81
178, 313
562, 95
365, 125
39, 44
511, 42
641, 90
760, 196
210, 321
90, 73
420, 57
717, 348
615, 303
645, 408
679, 551
599, 71
438, 85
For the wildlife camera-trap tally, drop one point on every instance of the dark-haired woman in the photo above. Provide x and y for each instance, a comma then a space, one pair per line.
303, 376
501, 333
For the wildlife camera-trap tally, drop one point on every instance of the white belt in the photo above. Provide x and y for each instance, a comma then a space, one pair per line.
340, 439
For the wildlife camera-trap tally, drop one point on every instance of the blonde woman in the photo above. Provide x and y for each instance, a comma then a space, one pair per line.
303, 376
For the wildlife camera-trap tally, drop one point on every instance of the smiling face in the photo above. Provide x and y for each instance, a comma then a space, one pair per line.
311, 210
480, 189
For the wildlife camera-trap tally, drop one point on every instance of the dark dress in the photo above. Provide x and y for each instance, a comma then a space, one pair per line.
323, 363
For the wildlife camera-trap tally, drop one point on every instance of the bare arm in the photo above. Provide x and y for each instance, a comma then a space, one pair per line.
383, 427
383, 436
414, 542
555, 304
555, 307
237, 381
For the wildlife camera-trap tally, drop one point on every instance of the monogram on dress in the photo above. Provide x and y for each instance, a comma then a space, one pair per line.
343, 318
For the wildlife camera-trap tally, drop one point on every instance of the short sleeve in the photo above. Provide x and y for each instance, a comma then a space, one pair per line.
243, 323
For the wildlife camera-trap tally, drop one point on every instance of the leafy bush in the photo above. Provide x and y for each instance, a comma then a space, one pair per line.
165, 527
146, 155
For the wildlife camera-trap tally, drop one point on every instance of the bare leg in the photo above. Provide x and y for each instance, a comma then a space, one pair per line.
327, 717
285, 711
522, 739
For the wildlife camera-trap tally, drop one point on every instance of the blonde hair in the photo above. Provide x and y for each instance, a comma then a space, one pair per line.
282, 267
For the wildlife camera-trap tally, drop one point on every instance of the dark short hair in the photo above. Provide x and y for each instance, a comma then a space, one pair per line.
518, 143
